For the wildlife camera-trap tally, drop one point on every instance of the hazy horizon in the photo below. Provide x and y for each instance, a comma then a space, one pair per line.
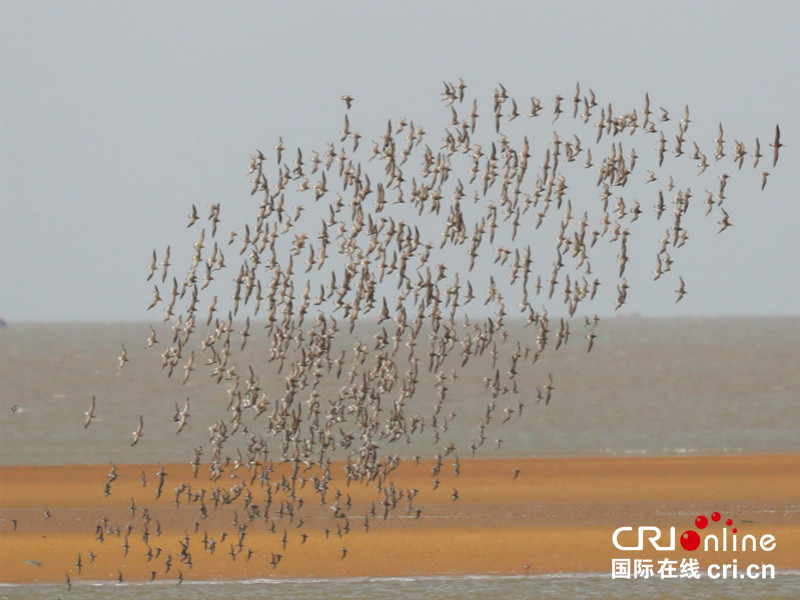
367, 322
117, 118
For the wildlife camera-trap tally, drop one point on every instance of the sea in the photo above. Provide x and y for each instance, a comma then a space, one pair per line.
563, 586
649, 387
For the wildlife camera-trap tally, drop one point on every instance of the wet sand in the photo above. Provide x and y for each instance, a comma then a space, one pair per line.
556, 515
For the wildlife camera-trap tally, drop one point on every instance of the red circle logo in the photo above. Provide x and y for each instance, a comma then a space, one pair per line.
690, 540
701, 522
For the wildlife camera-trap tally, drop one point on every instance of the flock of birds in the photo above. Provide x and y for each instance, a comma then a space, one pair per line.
414, 237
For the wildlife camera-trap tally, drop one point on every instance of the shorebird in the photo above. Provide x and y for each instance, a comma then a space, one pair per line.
756, 154
548, 389
151, 340
725, 221
152, 268
681, 291
137, 434
90, 414
182, 416
776, 145
156, 298
591, 337
188, 368
123, 358
164, 264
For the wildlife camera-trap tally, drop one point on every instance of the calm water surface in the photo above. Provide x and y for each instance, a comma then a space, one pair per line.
785, 586
649, 386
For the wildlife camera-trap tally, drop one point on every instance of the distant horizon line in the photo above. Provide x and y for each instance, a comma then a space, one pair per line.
616, 317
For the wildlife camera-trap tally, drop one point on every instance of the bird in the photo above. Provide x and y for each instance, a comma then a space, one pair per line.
137, 433
591, 336
123, 358
164, 264
681, 291
188, 368
156, 298
90, 414
776, 145
757, 154
152, 268
725, 221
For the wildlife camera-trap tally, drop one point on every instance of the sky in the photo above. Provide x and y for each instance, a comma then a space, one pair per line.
116, 117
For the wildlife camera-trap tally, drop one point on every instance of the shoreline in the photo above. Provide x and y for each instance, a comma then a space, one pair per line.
556, 516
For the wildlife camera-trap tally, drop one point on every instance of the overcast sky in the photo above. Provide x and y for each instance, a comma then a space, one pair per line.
118, 116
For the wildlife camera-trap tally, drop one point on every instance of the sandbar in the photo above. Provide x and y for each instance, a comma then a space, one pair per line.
483, 516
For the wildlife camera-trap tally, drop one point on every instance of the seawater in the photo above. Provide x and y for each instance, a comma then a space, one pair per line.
649, 386
785, 586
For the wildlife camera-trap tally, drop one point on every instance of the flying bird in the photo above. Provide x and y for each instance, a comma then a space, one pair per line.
137, 434
90, 414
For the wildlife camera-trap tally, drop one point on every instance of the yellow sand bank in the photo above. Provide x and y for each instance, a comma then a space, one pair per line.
493, 516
